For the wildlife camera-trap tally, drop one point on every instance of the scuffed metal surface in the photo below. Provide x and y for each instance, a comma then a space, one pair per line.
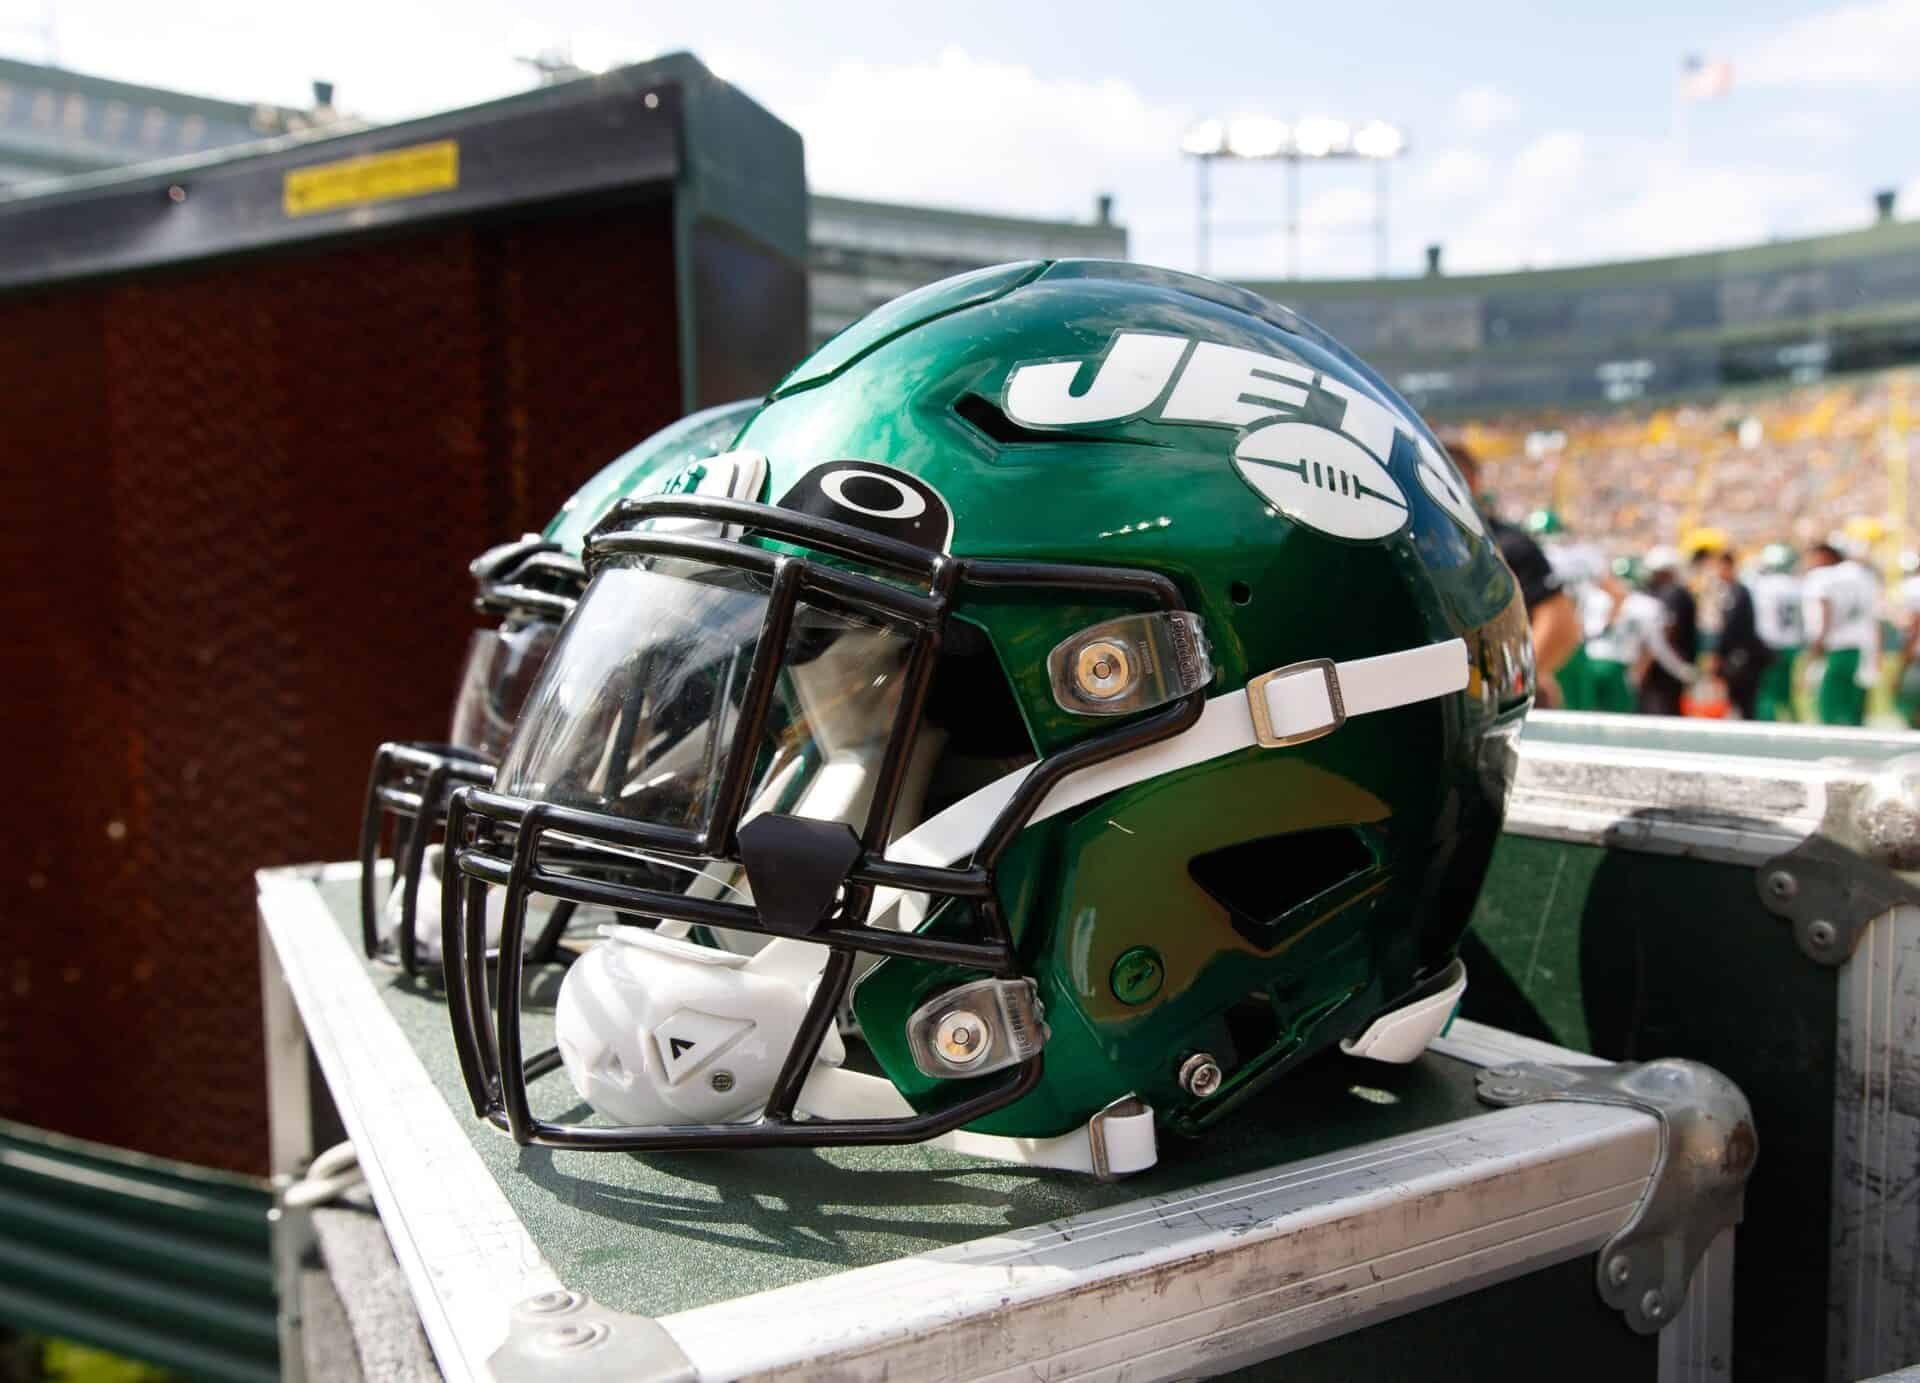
1696, 805
1873, 1302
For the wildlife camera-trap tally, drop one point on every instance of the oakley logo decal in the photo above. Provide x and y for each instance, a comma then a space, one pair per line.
1227, 386
872, 493
878, 498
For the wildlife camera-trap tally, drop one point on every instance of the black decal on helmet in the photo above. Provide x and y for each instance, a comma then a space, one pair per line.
877, 498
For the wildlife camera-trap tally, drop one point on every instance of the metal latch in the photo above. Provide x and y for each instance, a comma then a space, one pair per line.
562, 1334
1698, 1186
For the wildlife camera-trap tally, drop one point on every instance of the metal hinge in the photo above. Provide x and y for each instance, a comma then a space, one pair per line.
562, 1334
1832, 885
1698, 1186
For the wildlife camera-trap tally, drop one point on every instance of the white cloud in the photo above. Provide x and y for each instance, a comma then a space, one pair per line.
968, 131
1484, 106
1874, 41
1810, 127
1557, 155
1453, 173
1569, 198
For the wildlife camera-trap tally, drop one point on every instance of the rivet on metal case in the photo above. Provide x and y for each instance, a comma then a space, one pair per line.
590, 1344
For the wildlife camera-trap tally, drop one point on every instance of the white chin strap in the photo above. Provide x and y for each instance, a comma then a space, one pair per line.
1288, 706
655, 1030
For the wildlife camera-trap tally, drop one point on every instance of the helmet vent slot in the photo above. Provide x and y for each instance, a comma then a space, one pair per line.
987, 417
1259, 882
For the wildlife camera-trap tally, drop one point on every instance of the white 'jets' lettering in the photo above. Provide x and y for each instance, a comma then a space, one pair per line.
1219, 384
1129, 380
1224, 384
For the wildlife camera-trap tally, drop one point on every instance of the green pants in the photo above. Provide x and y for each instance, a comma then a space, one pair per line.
1841, 700
1776, 687
1576, 681
1607, 686
1906, 695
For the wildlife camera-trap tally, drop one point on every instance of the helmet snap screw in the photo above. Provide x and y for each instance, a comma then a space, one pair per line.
1619, 1270
1200, 1076
1821, 934
1102, 670
722, 1081
961, 1038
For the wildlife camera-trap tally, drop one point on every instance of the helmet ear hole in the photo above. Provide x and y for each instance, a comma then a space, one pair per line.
1260, 882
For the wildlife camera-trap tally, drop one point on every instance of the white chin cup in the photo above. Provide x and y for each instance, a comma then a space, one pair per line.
654, 1030
426, 912
1403, 1033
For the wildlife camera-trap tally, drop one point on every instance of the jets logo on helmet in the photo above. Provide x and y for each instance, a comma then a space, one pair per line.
1337, 482
1315, 476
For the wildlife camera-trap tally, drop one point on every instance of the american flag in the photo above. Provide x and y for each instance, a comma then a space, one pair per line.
1702, 79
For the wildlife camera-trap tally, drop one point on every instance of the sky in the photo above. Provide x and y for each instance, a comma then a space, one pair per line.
1535, 138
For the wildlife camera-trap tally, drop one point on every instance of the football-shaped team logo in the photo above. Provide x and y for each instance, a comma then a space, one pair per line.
1321, 478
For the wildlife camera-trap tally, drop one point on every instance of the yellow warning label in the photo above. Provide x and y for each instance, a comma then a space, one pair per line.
409, 172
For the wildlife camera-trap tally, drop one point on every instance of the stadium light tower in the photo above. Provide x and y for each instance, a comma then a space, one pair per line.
1312, 138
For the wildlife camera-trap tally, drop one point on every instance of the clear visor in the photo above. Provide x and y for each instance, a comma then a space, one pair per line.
501, 666
635, 712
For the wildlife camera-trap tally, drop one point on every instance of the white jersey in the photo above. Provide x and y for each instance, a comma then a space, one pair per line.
1853, 596
1909, 598
1776, 608
1575, 563
1640, 614
1599, 618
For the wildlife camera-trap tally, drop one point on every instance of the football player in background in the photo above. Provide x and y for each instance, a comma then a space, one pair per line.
1776, 617
1905, 613
1839, 603
1581, 569
1611, 646
1741, 653
1550, 611
1670, 633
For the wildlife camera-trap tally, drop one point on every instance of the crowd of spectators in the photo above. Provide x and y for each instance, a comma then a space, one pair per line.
1763, 467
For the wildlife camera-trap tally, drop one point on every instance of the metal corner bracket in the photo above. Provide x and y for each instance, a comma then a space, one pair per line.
1829, 893
1698, 1186
562, 1334
1860, 864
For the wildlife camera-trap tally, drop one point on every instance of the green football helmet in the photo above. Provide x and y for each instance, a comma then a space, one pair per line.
1546, 523
1628, 570
1108, 698
530, 586
1778, 557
